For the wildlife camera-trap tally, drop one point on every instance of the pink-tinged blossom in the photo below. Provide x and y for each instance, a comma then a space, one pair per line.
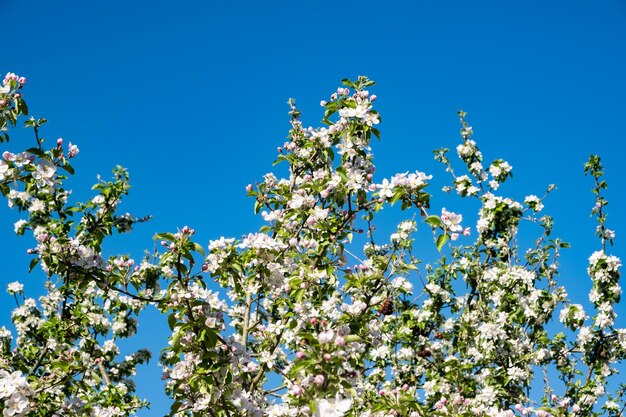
412, 181
298, 201
5, 170
297, 390
439, 405
326, 337
261, 241
340, 341
319, 379
45, 173
451, 220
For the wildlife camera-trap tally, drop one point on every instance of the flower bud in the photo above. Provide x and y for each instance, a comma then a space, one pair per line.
300, 354
319, 379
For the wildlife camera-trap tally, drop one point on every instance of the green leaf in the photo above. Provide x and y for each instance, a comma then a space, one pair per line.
434, 221
352, 338
441, 240
164, 236
171, 321
397, 194
348, 83
198, 247
36, 151
33, 264
68, 168
174, 408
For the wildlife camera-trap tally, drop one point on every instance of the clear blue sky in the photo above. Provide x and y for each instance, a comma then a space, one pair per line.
190, 96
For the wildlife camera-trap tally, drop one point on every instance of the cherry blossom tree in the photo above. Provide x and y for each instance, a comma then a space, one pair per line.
316, 313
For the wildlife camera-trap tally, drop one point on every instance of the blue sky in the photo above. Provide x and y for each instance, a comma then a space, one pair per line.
191, 96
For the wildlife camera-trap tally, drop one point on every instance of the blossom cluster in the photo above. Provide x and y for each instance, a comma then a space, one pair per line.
15, 393
318, 313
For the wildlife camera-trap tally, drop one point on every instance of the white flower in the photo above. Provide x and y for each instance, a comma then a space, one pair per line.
402, 283
533, 202
385, 189
44, 173
5, 333
15, 287
99, 199
17, 226
105, 412
334, 407
36, 205
119, 327
451, 220
4, 169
